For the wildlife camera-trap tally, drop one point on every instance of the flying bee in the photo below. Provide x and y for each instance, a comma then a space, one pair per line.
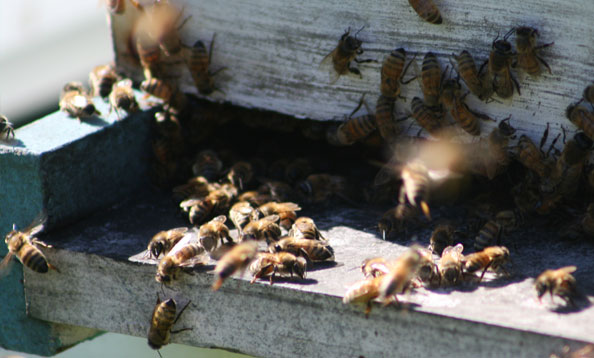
305, 228
76, 102
531, 157
281, 263
582, 118
347, 50
469, 73
431, 78
163, 17
198, 62
396, 219
393, 70
452, 99
101, 80
498, 157
208, 165
559, 282
236, 259
498, 76
493, 257
313, 250
363, 292
285, 211
24, 245
528, 60
428, 271
415, 186
240, 214
317, 188
162, 321
427, 10
450, 265
589, 93
240, 174
214, 232
398, 280
263, 229
122, 97
426, 118
147, 49
164, 241
442, 237
6, 128
375, 267
186, 254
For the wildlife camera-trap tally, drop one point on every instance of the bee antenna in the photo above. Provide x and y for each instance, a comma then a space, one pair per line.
508, 34
356, 33
159, 354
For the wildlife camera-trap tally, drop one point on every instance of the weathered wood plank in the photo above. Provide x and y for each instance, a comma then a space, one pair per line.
272, 50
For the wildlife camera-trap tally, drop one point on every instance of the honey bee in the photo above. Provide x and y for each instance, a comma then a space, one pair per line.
493, 257
452, 99
347, 50
76, 102
6, 128
148, 50
285, 211
196, 187
489, 235
569, 166
528, 60
393, 70
427, 10
24, 245
426, 118
497, 157
317, 188
384, 118
298, 170
170, 130
282, 263
363, 292
415, 186
122, 97
214, 232
240, 214
589, 93
238, 258
200, 209
469, 73
428, 271
559, 282
162, 321
101, 80
163, 17
198, 62
158, 88
582, 118
442, 237
450, 265
263, 229
305, 228
186, 254
531, 157
240, 173
375, 267
255, 198
164, 241
208, 165
431, 78
396, 219
352, 130
398, 280
499, 76
313, 250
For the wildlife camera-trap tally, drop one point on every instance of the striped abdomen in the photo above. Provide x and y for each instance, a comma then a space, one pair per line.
161, 323
391, 73
431, 77
355, 129
427, 10
157, 88
468, 72
32, 257
425, 117
383, 118
465, 118
489, 235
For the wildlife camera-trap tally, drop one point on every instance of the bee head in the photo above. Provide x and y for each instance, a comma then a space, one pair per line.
170, 303
156, 249
450, 275
89, 109
583, 141
541, 288
299, 267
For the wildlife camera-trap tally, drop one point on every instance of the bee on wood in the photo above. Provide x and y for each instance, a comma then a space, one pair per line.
352, 130
164, 241
431, 78
162, 321
398, 280
428, 271
559, 282
493, 257
363, 292
102, 79
318, 188
208, 165
122, 97
392, 72
415, 186
305, 228
582, 118
453, 99
469, 73
498, 157
280, 263
240, 174
6, 128
214, 232
312, 250
24, 246
450, 265
285, 211
442, 237
589, 93
186, 254
426, 118
240, 214
528, 60
236, 259
347, 50
531, 157
499, 76
263, 229
76, 102
198, 62
375, 267
427, 10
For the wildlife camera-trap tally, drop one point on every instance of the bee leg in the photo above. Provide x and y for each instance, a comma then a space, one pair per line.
516, 84
211, 47
40, 243
181, 330
53, 267
180, 313
272, 275
368, 309
484, 271
355, 71
544, 63
365, 60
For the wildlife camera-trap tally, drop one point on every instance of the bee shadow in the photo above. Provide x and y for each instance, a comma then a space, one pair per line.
293, 280
12, 142
323, 265
501, 281
581, 302
96, 121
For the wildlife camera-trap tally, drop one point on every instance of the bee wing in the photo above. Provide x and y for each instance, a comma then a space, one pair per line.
290, 206
179, 230
5, 264
36, 225
190, 237
124, 83
327, 65
270, 219
567, 269
199, 260
190, 202
387, 172
220, 218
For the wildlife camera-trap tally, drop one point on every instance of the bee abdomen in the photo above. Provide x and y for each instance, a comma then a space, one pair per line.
356, 128
488, 236
383, 117
425, 118
33, 259
468, 121
427, 10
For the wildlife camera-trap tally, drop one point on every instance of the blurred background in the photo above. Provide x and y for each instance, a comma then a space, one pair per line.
43, 45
